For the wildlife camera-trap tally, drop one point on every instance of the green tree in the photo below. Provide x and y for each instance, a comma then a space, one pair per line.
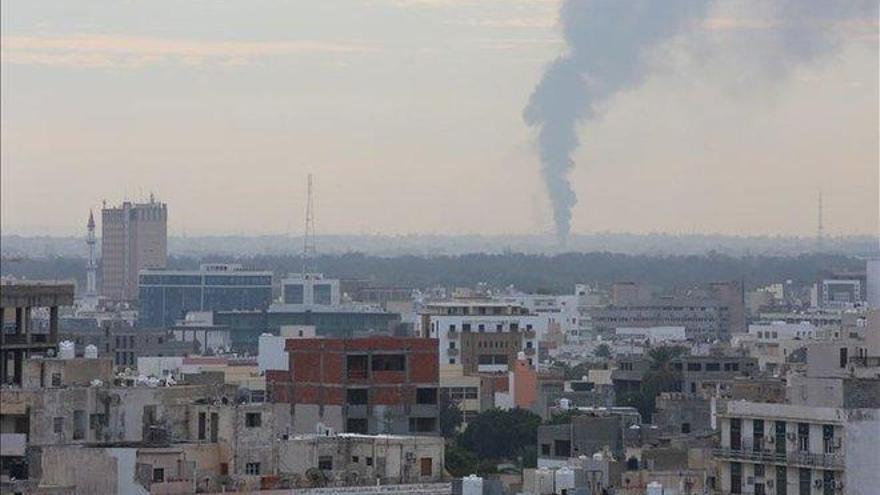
602, 351
461, 461
661, 377
498, 434
450, 416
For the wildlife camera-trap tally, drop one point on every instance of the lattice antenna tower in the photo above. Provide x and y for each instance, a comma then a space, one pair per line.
820, 228
309, 250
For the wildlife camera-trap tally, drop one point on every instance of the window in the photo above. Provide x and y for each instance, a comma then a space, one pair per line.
514, 327
356, 364
451, 360
452, 328
252, 468
803, 437
389, 362
735, 477
735, 433
368, 461
426, 396
562, 448
79, 425
731, 366
253, 420
781, 480
356, 425
694, 367
56, 379
452, 344
713, 366
759, 470
427, 466
804, 481
529, 345
828, 439
757, 435
843, 356
465, 327
58, 424
355, 459
828, 483
202, 425
158, 475
356, 396
422, 425
325, 462
481, 327
780, 437
685, 427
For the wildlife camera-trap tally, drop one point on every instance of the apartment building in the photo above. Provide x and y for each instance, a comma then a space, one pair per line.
785, 449
364, 385
483, 336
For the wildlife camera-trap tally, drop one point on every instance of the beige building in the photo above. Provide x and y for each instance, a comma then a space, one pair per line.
133, 236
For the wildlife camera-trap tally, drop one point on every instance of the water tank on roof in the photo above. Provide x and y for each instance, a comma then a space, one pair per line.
544, 481
91, 352
564, 404
564, 479
654, 488
472, 485
66, 349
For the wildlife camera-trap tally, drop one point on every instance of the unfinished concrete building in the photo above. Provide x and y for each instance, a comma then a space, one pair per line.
17, 340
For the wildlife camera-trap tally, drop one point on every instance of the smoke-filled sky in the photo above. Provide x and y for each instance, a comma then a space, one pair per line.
409, 113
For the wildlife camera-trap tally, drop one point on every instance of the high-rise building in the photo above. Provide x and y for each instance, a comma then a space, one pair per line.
134, 236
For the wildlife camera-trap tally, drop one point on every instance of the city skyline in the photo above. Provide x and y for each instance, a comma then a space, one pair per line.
416, 106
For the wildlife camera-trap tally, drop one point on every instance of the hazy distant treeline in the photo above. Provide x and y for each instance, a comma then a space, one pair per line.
557, 273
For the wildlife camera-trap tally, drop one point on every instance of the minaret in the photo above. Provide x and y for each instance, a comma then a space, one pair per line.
92, 267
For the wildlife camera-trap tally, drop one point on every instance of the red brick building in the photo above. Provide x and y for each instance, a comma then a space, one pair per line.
362, 385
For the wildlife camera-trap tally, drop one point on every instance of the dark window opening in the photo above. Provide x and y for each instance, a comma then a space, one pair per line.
158, 475
356, 365
389, 362
356, 396
426, 396
325, 463
562, 448
422, 425
545, 449
356, 425
253, 420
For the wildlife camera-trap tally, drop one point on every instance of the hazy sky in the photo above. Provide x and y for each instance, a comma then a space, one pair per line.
409, 115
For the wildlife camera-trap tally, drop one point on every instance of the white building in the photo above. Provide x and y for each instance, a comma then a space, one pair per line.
651, 334
780, 330
792, 449
458, 324
310, 289
271, 354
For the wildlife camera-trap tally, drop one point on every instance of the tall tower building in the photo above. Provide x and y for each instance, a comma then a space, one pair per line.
133, 236
92, 266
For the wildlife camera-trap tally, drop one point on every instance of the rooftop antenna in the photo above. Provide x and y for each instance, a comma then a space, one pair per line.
309, 234
820, 229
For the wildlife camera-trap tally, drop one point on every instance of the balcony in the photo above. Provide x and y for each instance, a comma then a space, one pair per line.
804, 459
452, 351
452, 334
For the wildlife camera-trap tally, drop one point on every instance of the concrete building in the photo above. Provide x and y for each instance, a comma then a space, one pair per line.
352, 459
593, 431
166, 296
134, 236
703, 319
364, 385
712, 375
18, 341
792, 449
463, 390
483, 336
310, 289
654, 335
344, 321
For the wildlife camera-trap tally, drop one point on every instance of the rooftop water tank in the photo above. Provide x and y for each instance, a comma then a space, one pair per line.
544, 481
655, 488
91, 352
66, 349
564, 479
472, 485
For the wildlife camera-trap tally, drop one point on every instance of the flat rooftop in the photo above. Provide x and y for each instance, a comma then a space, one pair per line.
21, 294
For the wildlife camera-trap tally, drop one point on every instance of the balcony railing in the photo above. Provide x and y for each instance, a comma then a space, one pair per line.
828, 461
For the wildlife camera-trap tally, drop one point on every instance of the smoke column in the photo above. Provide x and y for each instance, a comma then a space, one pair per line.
607, 43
